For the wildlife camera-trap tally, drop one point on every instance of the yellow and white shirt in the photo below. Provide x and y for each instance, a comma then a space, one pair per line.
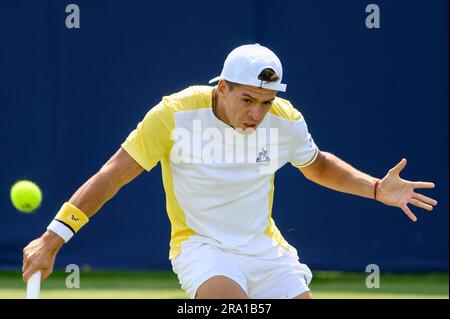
227, 203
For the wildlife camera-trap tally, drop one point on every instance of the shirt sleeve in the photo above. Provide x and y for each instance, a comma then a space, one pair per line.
303, 149
150, 141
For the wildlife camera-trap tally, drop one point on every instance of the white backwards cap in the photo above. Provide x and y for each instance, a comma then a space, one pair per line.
244, 64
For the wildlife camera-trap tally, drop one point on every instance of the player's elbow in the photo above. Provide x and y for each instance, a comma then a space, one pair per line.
316, 169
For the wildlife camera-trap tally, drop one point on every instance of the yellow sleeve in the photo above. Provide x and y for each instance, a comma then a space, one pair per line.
151, 141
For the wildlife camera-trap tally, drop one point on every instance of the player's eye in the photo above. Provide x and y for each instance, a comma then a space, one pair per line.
268, 103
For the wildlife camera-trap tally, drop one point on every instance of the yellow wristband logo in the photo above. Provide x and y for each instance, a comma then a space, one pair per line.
72, 217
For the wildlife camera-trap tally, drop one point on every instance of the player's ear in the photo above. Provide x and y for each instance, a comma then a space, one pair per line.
222, 87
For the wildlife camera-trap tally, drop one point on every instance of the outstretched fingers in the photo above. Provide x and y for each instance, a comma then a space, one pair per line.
425, 199
409, 213
423, 185
420, 204
399, 167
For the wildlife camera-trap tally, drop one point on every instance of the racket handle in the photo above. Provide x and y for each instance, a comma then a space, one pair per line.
34, 286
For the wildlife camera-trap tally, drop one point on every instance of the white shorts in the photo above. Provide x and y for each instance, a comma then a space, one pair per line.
277, 275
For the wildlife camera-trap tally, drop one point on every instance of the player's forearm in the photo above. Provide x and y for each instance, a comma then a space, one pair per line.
120, 169
338, 175
95, 192
89, 198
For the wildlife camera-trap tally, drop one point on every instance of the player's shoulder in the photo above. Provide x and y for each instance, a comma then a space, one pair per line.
190, 99
284, 109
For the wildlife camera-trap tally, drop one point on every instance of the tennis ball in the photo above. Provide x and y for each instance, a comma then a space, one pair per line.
26, 196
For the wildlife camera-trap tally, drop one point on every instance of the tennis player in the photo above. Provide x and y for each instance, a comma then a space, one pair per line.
224, 242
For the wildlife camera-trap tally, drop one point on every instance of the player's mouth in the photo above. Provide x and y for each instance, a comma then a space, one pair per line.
250, 125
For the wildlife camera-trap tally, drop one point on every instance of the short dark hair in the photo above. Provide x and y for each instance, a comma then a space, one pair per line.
267, 75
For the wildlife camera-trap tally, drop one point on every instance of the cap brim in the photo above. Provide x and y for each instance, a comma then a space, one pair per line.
217, 78
280, 87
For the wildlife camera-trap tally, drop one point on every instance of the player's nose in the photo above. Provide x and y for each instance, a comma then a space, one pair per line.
256, 113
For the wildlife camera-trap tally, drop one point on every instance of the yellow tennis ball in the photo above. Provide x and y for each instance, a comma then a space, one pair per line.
26, 196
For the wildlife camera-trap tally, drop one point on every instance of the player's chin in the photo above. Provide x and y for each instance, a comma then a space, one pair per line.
247, 128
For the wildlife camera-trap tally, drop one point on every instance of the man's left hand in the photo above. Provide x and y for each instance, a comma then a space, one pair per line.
395, 191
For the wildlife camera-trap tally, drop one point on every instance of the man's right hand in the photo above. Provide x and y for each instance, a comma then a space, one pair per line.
40, 254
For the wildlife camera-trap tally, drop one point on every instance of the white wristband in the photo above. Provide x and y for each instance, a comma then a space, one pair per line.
61, 230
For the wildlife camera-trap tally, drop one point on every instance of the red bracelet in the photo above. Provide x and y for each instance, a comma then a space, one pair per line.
375, 187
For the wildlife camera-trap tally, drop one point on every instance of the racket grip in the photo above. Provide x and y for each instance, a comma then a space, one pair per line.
34, 286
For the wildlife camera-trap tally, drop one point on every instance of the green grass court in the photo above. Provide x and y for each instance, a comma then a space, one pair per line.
162, 285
